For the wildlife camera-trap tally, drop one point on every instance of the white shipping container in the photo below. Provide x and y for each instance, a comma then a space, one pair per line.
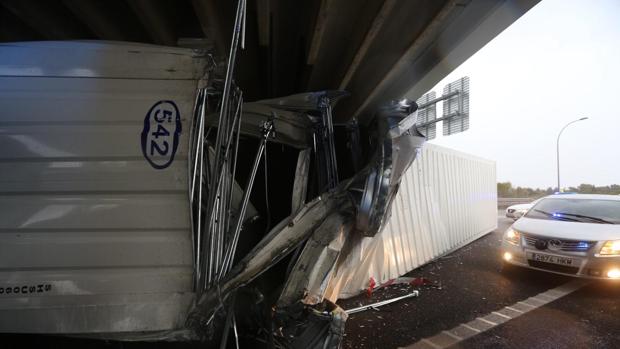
446, 200
95, 234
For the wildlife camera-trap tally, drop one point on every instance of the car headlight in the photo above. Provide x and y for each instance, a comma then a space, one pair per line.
611, 248
512, 236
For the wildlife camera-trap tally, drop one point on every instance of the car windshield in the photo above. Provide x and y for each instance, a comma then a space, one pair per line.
577, 210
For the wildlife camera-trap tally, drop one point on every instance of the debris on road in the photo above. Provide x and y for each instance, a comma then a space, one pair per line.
415, 293
417, 281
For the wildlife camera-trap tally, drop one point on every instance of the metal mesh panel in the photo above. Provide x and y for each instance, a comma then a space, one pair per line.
456, 108
426, 114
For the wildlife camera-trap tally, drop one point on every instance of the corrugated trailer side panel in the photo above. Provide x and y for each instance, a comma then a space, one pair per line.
93, 238
446, 200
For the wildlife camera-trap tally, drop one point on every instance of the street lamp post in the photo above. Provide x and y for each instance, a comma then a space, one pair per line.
557, 144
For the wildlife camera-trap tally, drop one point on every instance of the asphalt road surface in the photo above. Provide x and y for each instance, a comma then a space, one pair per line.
465, 307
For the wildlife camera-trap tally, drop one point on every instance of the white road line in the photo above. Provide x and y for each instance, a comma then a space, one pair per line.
487, 321
549, 296
546, 297
527, 305
436, 346
458, 338
513, 309
470, 328
535, 298
502, 315
554, 293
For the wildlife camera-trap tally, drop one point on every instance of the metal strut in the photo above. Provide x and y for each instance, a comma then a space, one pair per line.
217, 172
325, 148
267, 131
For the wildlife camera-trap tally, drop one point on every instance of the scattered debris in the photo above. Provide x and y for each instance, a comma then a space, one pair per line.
415, 293
418, 281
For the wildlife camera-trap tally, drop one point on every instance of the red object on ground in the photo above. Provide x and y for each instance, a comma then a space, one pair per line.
419, 281
371, 287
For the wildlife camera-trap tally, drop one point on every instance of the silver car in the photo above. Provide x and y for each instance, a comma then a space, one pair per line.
517, 211
574, 234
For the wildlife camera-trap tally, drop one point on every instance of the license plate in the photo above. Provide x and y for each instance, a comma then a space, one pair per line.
547, 258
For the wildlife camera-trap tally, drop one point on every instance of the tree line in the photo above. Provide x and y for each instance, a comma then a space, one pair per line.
506, 190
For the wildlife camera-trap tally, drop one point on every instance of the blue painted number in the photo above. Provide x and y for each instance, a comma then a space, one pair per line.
160, 135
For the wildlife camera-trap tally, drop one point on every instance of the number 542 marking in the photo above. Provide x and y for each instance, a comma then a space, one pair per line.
160, 135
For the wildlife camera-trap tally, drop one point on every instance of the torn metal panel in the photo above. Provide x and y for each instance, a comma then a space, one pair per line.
311, 274
357, 205
280, 241
396, 148
300, 187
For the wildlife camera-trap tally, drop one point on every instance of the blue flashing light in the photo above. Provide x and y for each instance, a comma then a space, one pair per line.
582, 245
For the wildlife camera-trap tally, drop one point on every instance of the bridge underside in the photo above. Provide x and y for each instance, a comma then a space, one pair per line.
375, 49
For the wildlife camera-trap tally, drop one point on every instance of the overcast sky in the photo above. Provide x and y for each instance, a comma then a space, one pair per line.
560, 61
